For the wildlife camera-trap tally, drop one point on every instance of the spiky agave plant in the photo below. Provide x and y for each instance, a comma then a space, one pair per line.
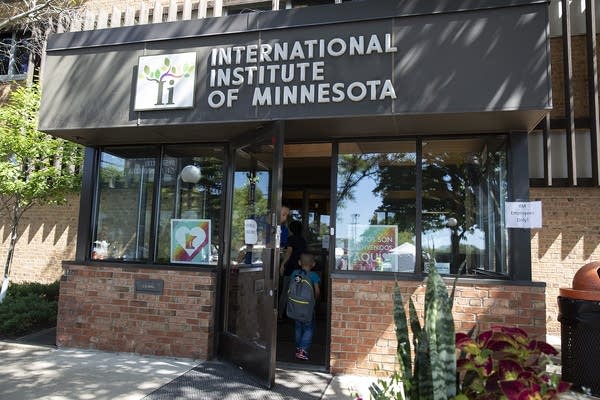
433, 375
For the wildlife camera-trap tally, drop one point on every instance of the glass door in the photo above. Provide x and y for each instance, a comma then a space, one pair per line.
248, 336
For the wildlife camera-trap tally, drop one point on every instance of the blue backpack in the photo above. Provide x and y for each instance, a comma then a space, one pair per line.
301, 298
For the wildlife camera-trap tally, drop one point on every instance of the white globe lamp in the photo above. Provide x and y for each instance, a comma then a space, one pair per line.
190, 174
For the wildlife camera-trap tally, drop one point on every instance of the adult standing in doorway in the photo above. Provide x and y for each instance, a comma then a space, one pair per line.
283, 238
296, 245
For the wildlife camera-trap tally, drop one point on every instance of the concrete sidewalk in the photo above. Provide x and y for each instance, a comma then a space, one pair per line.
45, 372
37, 372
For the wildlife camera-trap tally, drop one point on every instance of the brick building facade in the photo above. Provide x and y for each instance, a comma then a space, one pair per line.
99, 302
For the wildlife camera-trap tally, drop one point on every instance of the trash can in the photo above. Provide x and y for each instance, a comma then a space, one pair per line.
579, 316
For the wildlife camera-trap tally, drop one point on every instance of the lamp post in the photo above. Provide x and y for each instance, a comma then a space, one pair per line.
454, 244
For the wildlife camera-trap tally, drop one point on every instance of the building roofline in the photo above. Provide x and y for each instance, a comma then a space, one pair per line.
272, 20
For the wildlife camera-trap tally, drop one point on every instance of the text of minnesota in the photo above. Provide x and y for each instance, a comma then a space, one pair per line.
307, 94
323, 93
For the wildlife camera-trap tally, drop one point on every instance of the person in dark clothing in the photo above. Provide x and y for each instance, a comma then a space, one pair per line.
283, 238
296, 245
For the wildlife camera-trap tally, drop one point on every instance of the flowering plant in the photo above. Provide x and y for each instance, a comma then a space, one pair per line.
503, 363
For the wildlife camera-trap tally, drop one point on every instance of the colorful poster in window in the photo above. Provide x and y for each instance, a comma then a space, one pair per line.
369, 246
190, 241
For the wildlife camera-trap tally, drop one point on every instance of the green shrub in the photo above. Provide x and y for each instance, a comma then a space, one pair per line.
28, 307
432, 373
48, 291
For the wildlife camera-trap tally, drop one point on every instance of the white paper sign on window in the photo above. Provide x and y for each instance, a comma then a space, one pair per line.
523, 214
250, 231
165, 81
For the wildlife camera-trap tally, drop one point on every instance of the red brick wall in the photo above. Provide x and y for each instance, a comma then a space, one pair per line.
99, 309
363, 339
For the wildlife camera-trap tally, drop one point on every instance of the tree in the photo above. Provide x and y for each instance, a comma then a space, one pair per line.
35, 168
31, 21
14, 12
249, 202
21, 13
353, 168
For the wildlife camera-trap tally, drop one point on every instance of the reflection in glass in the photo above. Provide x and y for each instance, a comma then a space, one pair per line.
194, 197
376, 206
250, 201
125, 196
464, 191
249, 253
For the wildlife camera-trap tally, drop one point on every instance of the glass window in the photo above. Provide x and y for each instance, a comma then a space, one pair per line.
558, 155
251, 183
182, 226
583, 153
376, 198
307, 3
125, 197
14, 57
190, 204
249, 8
464, 191
536, 154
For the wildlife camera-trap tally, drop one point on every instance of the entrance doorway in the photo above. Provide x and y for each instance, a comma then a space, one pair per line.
264, 175
306, 188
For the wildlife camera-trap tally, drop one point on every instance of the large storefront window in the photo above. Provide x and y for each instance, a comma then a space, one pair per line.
191, 188
184, 230
463, 188
376, 206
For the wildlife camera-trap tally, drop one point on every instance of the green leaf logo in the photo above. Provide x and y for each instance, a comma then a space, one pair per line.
165, 69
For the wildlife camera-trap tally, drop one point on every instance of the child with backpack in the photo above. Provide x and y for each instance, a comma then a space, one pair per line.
302, 295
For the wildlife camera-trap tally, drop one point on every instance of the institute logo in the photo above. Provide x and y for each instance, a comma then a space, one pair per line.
165, 81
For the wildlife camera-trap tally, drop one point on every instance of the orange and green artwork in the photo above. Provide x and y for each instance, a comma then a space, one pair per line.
190, 241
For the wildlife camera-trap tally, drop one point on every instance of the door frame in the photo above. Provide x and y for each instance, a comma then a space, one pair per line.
260, 363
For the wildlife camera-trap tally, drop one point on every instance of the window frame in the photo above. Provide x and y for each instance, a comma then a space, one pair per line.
90, 196
546, 155
518, 244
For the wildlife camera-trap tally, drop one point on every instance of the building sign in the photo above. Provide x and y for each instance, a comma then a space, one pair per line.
369, 246
190, 241
150, 286
165, 81
290, 68
276, 73
523, 214
295, 72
